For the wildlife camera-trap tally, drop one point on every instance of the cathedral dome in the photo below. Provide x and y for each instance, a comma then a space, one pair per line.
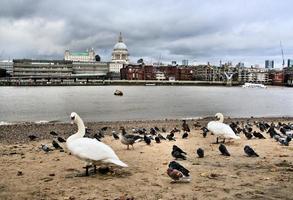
120, 45
120, 53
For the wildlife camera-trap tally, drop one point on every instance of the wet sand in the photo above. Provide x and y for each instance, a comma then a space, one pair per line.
27, 172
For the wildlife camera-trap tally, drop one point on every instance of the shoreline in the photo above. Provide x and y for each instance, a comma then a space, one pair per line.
19, 132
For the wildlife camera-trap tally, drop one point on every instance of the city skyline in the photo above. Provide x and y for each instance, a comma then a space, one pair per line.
199, 31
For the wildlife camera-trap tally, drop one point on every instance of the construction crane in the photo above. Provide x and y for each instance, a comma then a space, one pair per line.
283, 64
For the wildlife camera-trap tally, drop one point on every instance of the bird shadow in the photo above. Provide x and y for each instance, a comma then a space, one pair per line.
106, 173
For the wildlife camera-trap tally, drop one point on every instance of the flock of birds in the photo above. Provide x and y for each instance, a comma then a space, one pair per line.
94, 152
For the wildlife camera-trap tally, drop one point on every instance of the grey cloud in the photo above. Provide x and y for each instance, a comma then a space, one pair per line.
175, 30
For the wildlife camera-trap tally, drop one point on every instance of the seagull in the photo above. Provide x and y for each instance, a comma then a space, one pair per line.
90, 150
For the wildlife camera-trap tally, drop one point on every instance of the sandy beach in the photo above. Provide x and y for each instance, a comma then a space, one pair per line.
27, 172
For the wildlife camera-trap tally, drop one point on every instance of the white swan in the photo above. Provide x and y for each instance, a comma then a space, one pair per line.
220, 129
90, 150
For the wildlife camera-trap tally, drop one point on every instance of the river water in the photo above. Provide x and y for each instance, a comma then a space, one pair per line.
97, 103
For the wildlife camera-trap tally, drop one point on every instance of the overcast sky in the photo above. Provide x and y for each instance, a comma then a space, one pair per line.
249, 31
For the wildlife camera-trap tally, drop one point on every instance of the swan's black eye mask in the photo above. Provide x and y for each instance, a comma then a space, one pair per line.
73, 117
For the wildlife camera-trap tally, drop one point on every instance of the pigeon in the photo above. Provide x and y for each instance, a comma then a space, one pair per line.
247, 134
157, 139
170, 137
53, 133
176, 148
56, 145
128, 139
177, 166
224, 150
205, 131
45, 148
161, 137
177, 175
104, 128
272, 131
60, 139
32, 137
156, 128
147, 140
200, 152
250, 152
197, 125
153, 131
115, 136
178, 155
185, 135
258, 135
285, 141
185, 126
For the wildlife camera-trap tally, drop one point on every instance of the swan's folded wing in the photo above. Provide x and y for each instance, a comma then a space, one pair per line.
87, 148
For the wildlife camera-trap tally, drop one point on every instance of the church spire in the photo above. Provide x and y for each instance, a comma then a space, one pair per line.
120, 37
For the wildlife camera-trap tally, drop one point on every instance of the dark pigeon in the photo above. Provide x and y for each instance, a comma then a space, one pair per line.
60, 139
157, 139
176, 148
147, 140
53, 133
200, 152
56, 145
250, 152
177, 166
224, 150
115, 136
185, 135
32, 137
258, 135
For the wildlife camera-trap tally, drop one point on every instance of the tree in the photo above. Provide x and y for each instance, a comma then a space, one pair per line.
98, 58
140, 61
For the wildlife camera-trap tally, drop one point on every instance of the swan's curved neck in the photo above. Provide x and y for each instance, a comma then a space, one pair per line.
81, 130
80, 127
221, 118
